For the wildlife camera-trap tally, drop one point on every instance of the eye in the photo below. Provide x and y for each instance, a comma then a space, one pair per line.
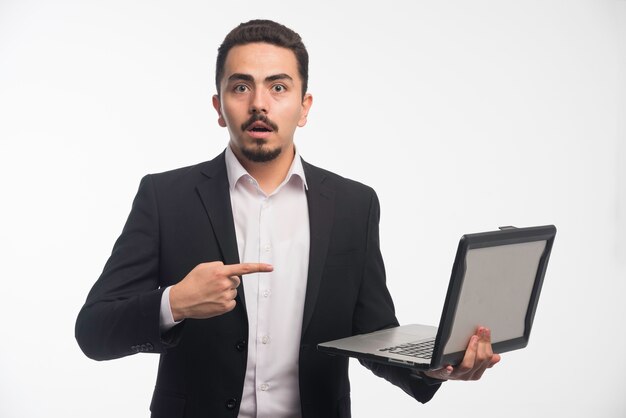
278, 88
240, 88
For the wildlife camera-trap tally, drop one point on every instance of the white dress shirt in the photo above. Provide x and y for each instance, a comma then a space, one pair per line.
271, 229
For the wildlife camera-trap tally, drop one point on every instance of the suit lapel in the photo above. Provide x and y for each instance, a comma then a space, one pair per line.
321, 201
215, 195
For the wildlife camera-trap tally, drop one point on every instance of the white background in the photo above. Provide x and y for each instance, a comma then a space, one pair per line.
463, 115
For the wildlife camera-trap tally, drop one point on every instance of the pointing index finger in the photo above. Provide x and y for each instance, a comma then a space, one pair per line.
247, 268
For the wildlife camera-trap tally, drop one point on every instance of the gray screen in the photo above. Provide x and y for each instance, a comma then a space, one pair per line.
495, 293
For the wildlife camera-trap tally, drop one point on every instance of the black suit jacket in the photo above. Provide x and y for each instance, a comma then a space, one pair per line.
182, 218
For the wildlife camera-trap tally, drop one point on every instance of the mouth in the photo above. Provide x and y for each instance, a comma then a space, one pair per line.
259, 126
259, 130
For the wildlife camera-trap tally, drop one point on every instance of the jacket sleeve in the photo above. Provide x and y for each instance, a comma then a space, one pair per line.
121, 314
375, 311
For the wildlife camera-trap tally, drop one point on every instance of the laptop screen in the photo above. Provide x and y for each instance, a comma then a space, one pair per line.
496, 292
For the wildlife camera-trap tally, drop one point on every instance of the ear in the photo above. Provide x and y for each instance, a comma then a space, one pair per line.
307, 101
218, 108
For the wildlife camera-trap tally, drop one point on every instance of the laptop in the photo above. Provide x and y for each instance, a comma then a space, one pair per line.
496, 280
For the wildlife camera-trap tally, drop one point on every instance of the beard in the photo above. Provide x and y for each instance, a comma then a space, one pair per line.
258, 154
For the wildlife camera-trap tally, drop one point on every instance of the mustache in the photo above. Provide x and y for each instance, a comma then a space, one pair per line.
259, 117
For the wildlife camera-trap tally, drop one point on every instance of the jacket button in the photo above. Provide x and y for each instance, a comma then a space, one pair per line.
241, 345
231, 403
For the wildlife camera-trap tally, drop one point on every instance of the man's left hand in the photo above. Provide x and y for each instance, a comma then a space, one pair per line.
478, 358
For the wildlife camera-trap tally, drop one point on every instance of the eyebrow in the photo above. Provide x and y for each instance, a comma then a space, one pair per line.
281, 76
240, 77
248, 77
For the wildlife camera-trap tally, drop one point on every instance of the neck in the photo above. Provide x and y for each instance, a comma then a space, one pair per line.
269, 174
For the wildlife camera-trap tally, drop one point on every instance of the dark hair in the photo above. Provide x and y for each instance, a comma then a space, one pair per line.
264, 31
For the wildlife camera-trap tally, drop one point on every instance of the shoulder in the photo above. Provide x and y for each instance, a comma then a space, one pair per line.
180, 185
191, 174
351, 198
335, 182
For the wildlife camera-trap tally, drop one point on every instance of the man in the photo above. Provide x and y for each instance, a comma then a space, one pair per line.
239, 339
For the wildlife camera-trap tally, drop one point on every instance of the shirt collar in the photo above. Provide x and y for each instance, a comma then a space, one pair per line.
236, 171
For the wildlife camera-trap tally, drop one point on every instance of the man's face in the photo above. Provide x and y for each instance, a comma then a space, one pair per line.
261, 101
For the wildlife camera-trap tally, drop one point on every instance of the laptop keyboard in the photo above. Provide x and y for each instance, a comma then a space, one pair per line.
422, 349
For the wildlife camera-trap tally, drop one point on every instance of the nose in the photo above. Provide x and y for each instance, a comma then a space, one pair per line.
259, 102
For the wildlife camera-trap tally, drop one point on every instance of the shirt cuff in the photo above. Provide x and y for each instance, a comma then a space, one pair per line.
166, 318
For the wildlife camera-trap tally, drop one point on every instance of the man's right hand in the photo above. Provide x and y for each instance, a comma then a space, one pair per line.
210, 289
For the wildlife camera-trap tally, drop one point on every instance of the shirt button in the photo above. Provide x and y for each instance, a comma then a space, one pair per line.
266, 294
264, 387
265, 339
267, 248
231, 403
